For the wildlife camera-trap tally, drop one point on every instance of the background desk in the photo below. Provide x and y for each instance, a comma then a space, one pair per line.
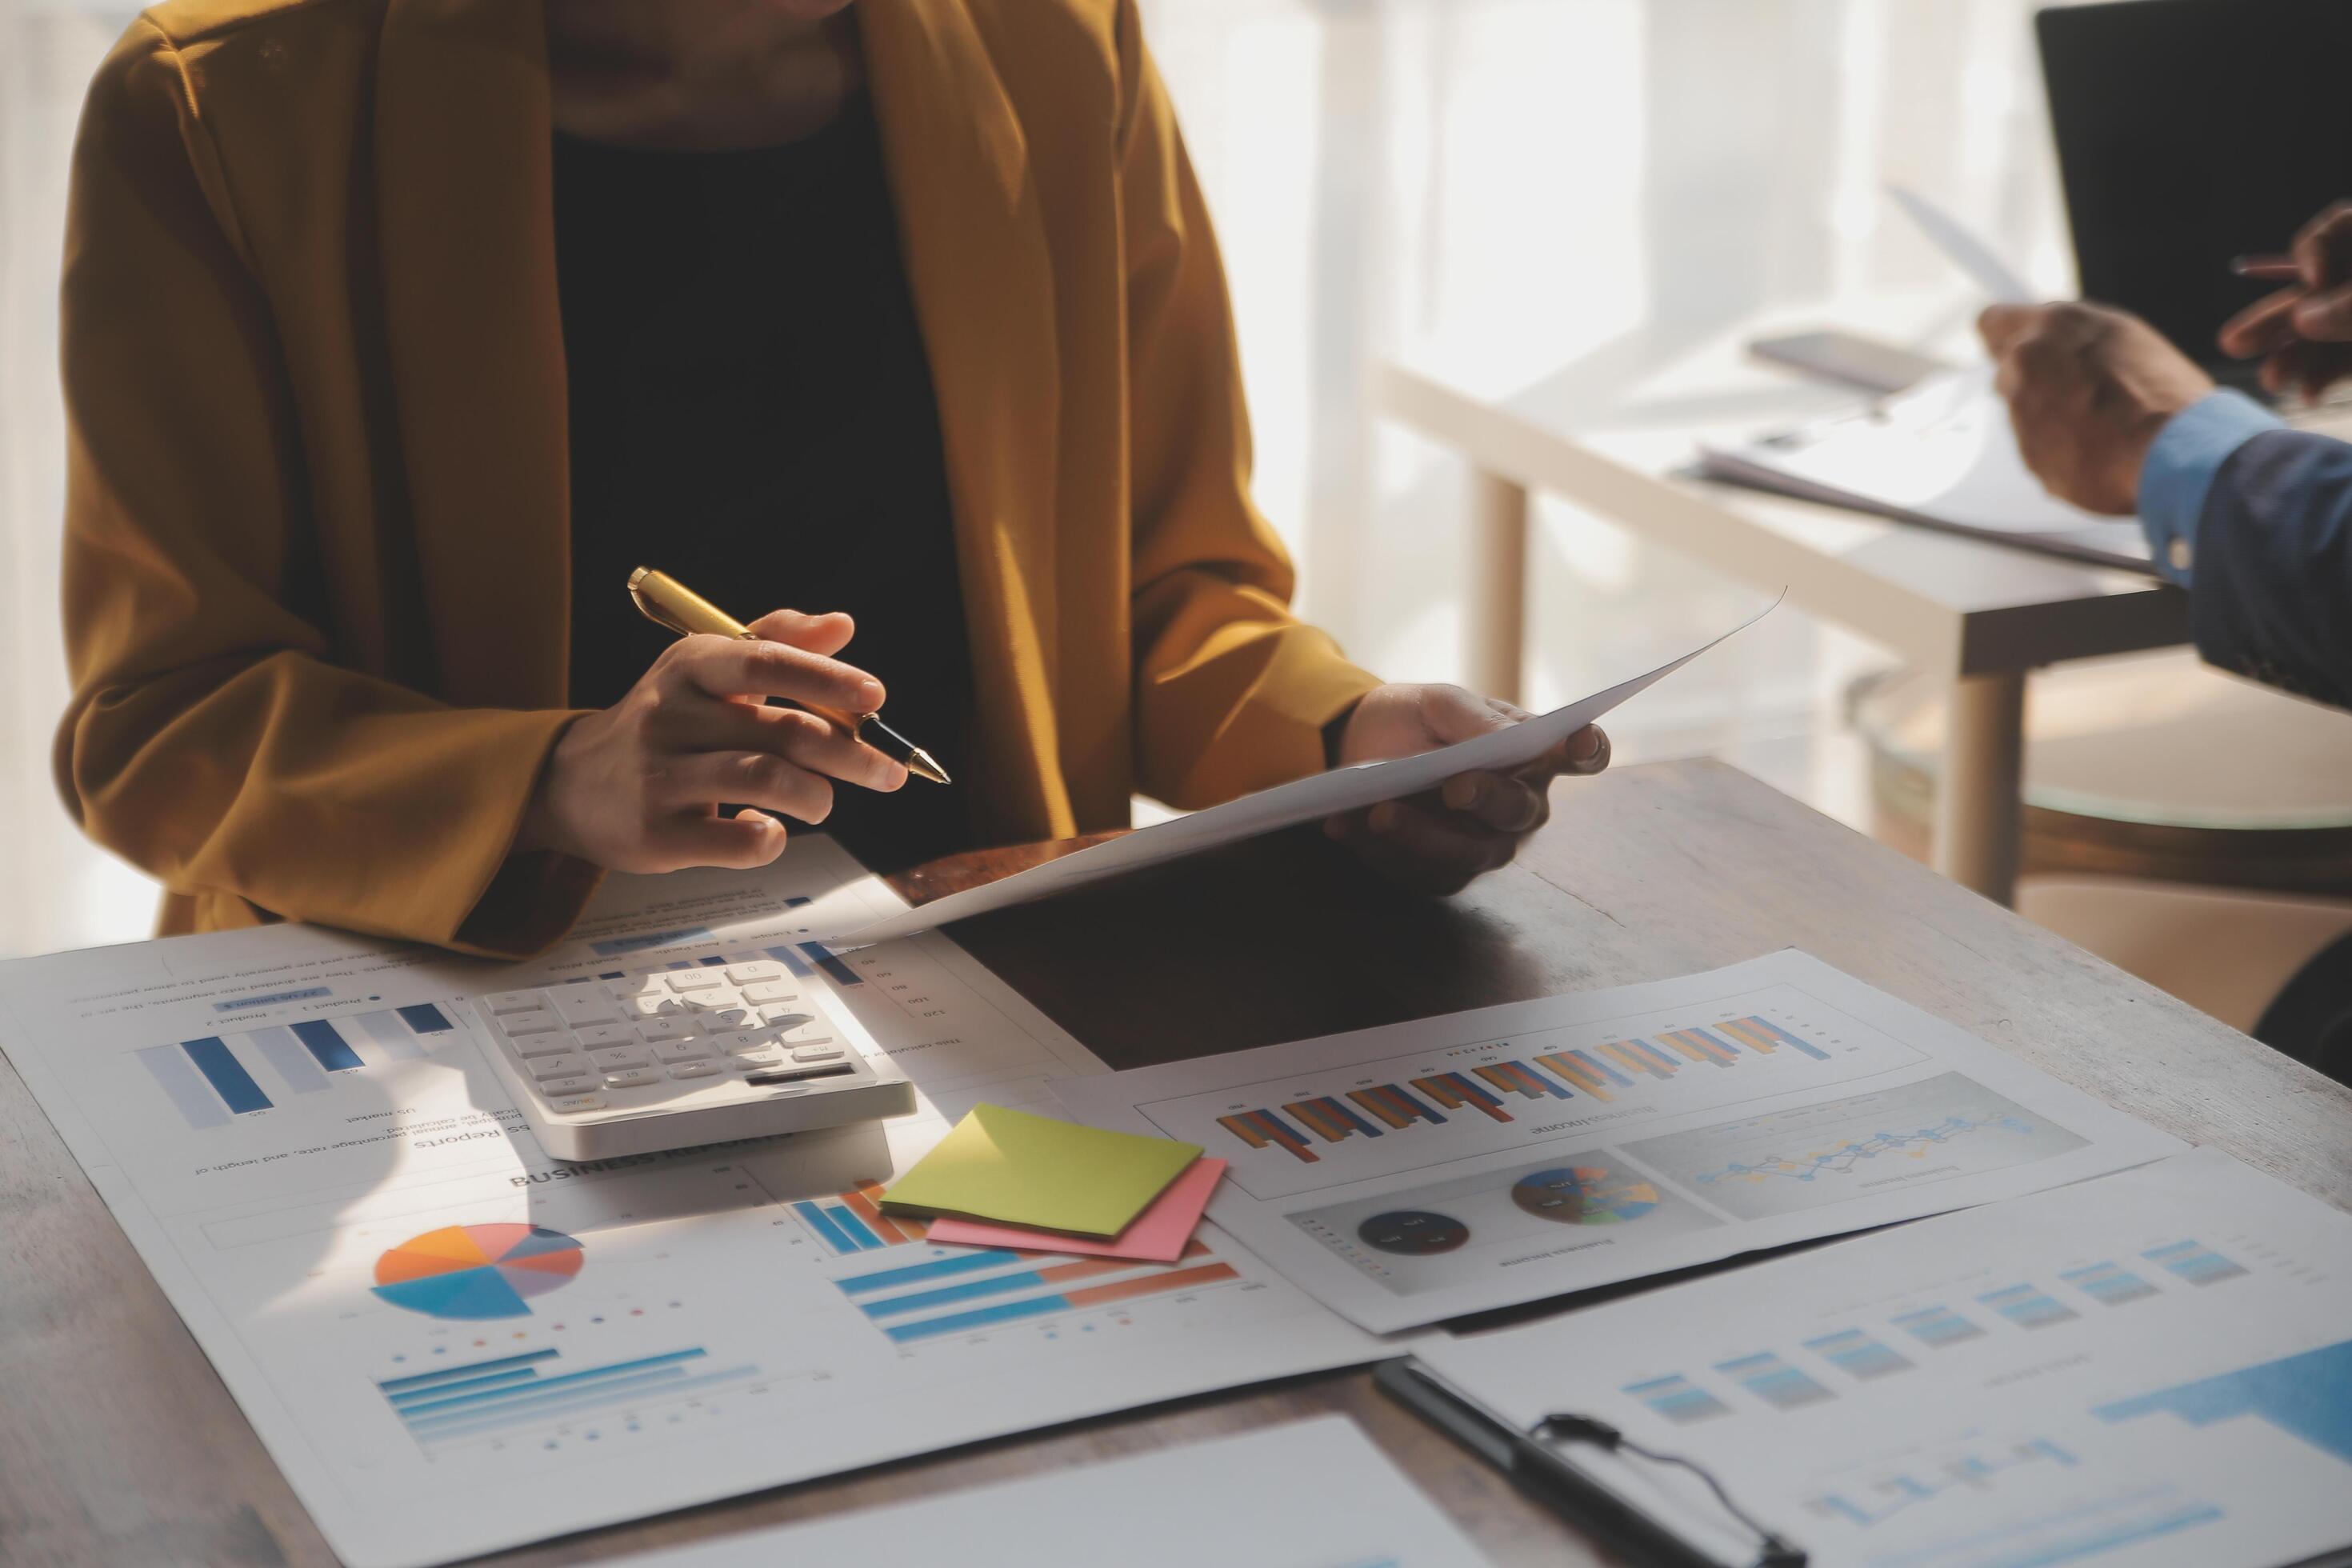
119, 1446
1613, 433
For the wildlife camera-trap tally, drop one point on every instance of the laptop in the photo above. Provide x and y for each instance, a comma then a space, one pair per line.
2190, 132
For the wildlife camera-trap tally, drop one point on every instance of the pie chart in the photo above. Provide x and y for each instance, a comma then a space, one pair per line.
476, 1271
1584, 1195
1413, 1232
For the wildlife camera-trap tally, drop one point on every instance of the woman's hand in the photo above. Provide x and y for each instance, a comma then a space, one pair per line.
1471, 825
638, 786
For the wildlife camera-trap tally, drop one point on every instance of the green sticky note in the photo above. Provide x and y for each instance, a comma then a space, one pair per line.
1019, 1169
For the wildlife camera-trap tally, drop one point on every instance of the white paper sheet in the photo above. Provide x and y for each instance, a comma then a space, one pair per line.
1309, 799
1424, 1171
710, 1322
1961, 246
1311, 1494
2153, 1368
1943, 454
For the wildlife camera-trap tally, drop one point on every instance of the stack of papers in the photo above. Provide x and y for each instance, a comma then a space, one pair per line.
1942, 454
1041, 1174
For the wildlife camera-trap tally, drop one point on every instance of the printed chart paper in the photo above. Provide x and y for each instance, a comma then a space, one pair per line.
1267, 1496
2154, 1368
451, 1342
1309, 799
1423, 1171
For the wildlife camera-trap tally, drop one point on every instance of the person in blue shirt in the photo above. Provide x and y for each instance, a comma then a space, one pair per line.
2254, 520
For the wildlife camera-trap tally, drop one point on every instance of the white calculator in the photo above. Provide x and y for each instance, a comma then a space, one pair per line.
681, 1056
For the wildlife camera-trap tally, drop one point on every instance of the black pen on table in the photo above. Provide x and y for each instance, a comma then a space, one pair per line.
1534, 1467
667, 601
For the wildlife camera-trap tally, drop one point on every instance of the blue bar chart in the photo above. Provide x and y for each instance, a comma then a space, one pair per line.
213, 1079
2193, 1261
505, 1395
942, 1292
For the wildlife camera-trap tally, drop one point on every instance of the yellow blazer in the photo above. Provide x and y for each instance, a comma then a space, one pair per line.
317, 532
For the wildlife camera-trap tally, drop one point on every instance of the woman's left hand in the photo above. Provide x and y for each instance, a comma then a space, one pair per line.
1472, 824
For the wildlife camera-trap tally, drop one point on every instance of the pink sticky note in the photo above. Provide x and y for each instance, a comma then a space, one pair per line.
1158, 1235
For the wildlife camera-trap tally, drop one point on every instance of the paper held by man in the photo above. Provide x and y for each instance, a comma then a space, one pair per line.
1308, 799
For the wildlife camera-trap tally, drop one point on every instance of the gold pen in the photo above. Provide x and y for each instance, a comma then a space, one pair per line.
667, 602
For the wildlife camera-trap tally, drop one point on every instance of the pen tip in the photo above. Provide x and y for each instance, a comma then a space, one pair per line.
923, 765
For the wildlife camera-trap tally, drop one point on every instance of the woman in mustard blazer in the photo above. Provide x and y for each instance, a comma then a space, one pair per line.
392, 326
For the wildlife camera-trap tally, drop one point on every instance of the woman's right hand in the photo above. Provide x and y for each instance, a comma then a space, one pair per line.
638, 786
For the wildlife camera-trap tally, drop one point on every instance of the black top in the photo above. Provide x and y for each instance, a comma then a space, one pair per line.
752, 411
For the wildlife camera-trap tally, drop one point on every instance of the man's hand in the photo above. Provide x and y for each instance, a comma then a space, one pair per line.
1472, 824
638, 786
2088, 389
2302, 333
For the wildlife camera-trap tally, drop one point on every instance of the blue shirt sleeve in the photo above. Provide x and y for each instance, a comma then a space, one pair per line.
2179, 473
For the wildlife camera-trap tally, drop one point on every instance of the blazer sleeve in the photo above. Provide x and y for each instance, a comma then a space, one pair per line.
2272, 594
210, 739
1231, 690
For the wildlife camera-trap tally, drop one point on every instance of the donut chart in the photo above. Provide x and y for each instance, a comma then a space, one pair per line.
1413, 1233
1583, 1194
474, 1272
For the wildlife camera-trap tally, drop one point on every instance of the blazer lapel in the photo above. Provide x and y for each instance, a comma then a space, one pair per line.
983, 277
476, 340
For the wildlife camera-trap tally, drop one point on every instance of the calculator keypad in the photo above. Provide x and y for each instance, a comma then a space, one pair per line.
645, 1040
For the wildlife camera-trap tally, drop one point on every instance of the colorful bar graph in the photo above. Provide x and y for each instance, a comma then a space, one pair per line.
1774, 1381
1394, 1105
1626, 1056
1154, 1284
1330, 1120
1259, 1128
1584, 1074
1452, 1090
1678, 1399
2109, 1282
1854, 1351
1763, 1035
2193, 1261
287, 1057
852, 1222
1700, 1047
226, 1074
1937, 1327
322, 1039
2028, 1306
1516, 1078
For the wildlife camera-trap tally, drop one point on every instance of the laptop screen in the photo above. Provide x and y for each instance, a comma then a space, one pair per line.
2190, 132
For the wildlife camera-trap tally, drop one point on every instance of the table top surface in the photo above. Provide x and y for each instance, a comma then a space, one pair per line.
121, 1446
1614, 430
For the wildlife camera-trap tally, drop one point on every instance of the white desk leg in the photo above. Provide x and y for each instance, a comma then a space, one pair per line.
1979, 806
1497, 617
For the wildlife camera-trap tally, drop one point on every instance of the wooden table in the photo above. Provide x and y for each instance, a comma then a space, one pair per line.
119, 1446
1615, 432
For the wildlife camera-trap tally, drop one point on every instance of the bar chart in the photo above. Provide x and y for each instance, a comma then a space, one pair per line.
2029, 1305
2193, 1261
211, 1080
535, 1391
852, 1222
1604, 1073
953, 1291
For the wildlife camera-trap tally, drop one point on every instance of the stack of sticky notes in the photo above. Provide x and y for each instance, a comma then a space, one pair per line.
1006, 1178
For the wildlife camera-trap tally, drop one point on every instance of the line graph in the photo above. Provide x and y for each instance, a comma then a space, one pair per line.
1760, 1167
1843, 1159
